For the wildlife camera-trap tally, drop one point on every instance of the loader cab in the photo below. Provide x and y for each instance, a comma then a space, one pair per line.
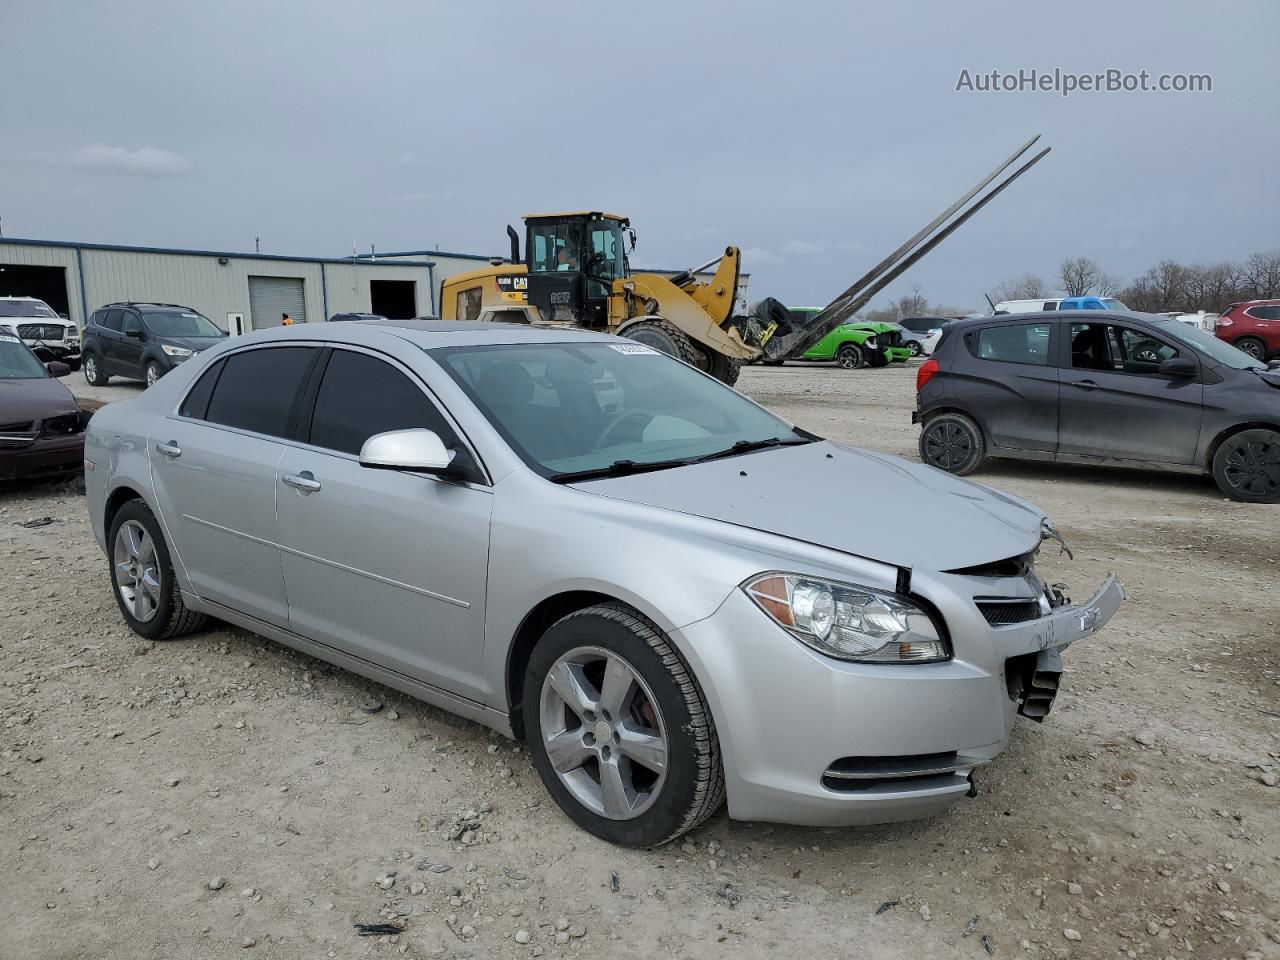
573, 259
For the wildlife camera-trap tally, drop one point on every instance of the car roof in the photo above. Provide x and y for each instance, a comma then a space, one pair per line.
1121, 315
427, 334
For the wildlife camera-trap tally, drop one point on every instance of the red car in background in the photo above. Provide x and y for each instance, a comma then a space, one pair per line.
1253, 326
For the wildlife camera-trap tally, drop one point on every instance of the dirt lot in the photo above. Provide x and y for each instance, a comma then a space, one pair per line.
1137, 821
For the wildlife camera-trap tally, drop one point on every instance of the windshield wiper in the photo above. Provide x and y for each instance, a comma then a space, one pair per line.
619, 468
746, 446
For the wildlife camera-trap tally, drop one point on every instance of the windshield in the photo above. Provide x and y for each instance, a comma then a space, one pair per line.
19, 363
1208, 344
26, 308
566, 408
180, 323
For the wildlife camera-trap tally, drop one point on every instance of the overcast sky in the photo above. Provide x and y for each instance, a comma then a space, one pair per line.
814, 136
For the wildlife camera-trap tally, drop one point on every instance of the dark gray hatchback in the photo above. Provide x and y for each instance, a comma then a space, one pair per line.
1118, 389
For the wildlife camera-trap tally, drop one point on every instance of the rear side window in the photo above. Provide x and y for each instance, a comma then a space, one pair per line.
1051, 305
257, 389
360, 396
196, 405
1015, 343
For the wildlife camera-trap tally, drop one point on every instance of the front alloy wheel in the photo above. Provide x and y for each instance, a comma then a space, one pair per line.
618, 728
850, 356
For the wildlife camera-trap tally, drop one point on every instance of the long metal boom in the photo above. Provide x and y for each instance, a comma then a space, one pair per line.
860, 293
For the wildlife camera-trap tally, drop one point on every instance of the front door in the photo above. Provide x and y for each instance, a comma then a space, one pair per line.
1115, 403
389, 566
1009, 377
556, 281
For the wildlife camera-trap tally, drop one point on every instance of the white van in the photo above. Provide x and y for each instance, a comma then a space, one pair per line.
1028, 306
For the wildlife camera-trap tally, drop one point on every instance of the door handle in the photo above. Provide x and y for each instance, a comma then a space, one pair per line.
170, 450
304, 481
1084, 384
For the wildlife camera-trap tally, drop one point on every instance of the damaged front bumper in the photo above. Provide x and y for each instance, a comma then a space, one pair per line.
812, 740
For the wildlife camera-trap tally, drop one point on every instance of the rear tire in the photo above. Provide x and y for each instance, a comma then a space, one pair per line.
1253, 347
723, 368
952, 442
142, 578
850, 356
93, 374
663, 704
152, 374
1246, 466
915, 348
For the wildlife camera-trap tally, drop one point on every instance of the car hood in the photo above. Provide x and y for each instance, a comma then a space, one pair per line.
867, 504
192, 343
23, 400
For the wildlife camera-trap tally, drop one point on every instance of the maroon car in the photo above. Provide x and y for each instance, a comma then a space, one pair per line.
1253, 326
41, 425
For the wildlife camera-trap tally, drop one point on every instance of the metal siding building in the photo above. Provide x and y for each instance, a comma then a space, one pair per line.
83, 277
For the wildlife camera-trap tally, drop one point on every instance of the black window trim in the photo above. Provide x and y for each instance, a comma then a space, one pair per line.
1185, 350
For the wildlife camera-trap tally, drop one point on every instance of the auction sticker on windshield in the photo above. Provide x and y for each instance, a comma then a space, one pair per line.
632, 348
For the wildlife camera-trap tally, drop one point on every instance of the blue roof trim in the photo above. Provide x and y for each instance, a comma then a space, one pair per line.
173, 251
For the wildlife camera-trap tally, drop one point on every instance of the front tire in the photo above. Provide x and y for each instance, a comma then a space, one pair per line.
665, 338
1253, 347
952, 442
1246, 466
619, 730
153, 373
850, 356
142, 579
913, 346
93, 374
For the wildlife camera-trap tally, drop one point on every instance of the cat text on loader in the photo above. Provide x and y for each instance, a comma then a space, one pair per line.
575, 273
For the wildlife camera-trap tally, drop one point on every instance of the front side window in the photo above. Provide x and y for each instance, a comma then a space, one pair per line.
606, 261
552, 248
361, 396
1115, 349
180, 323
17, 362
258, 388
567, 408
130, 322
1015, 343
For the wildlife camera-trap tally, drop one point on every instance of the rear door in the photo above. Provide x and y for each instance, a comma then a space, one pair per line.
108, 335
1115, 403
130, 344
386, 565
214, 466
1006, 377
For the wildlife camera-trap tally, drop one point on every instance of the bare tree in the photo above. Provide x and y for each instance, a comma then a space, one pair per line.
1261, 275
1026, 287
1079, 276
1108, 284
914, 304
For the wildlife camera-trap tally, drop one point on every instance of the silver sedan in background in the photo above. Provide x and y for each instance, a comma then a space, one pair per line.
589, 545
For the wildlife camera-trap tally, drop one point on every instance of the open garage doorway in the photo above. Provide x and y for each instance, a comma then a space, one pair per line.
44, 283
394, 299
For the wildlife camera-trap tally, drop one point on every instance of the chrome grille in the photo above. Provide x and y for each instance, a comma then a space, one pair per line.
41, 331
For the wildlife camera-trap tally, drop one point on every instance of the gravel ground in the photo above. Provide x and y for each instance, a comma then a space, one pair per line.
221, 796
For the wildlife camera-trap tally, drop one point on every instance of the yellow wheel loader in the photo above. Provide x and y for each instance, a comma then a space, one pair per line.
575, 273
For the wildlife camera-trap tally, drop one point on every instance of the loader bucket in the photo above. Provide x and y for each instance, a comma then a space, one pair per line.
793, 341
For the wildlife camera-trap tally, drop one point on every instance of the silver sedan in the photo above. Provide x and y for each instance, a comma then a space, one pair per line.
586, 544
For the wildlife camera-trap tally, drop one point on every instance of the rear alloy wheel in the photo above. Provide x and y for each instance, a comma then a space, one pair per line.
1247, 466
952, 442
92, 373
1253, 347
154, 373
142, 576
619, 730
850, 356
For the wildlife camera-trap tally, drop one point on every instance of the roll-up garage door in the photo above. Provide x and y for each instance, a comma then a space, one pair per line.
272, 297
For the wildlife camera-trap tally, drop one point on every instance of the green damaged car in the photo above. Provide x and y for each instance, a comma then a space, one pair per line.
857, 344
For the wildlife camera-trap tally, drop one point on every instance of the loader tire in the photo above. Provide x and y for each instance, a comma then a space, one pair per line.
667, 338
724, 369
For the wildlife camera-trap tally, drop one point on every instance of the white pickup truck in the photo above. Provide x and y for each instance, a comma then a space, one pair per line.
38, 325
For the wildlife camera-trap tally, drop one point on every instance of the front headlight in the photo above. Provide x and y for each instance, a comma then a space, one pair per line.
848, 621
175, 351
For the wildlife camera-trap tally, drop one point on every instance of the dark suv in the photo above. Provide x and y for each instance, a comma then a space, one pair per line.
143, 341
1103, 388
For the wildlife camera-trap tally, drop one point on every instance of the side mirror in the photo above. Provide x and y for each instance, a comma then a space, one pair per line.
417, 450
57, 368
1180, 368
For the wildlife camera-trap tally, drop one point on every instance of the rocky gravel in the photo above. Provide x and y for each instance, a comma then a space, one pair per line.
221, 796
